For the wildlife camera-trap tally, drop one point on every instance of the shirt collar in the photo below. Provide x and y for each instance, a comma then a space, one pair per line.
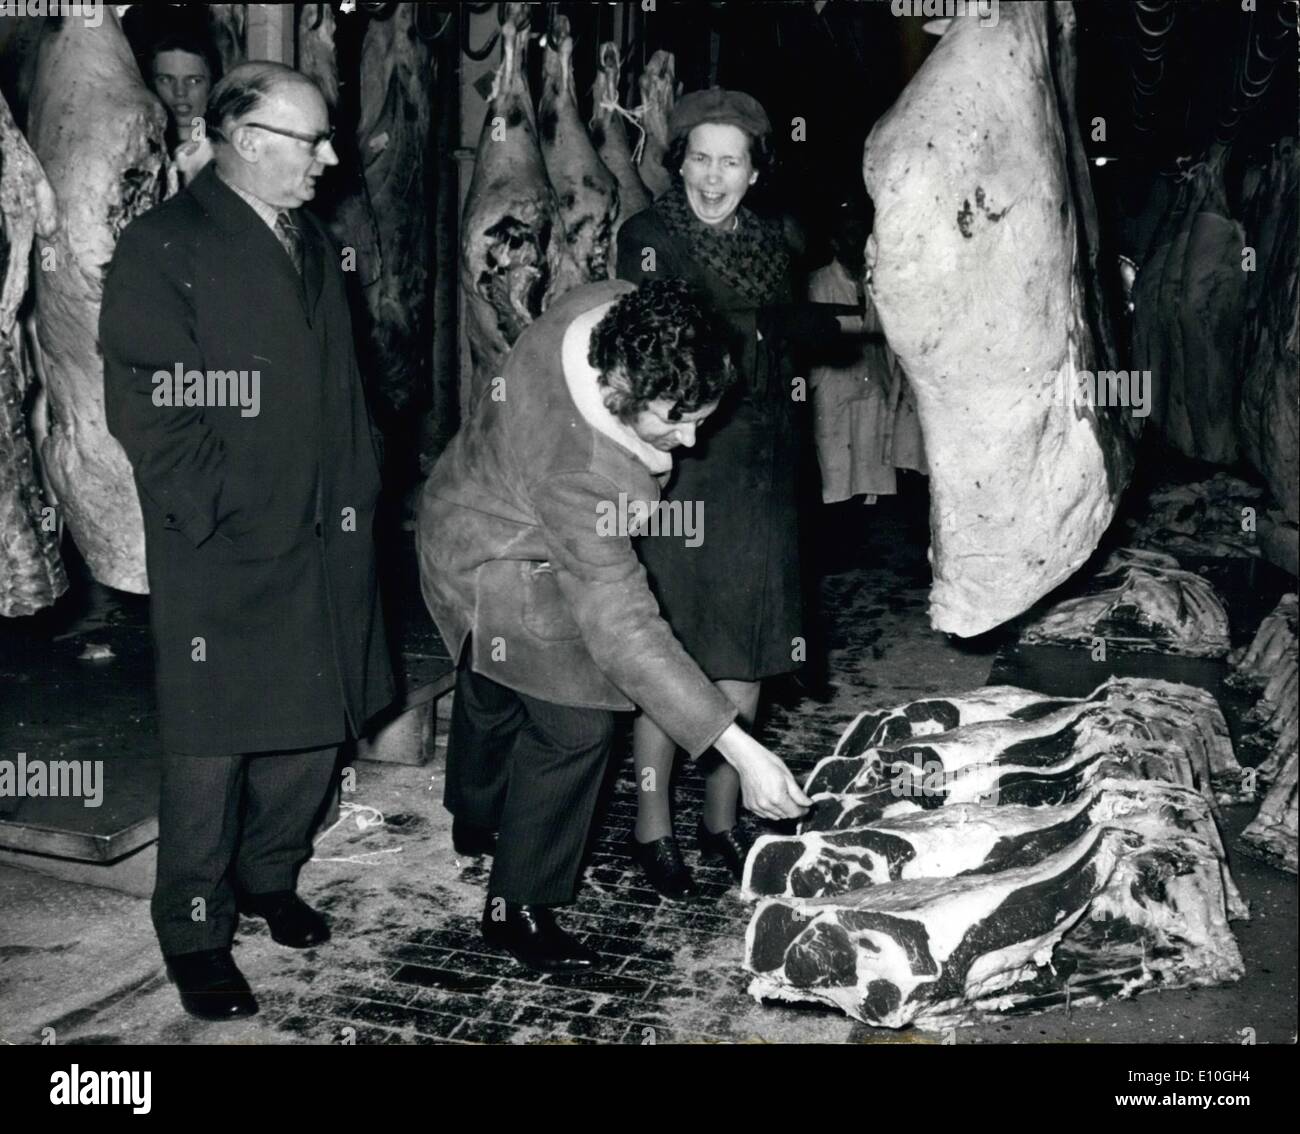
268, 213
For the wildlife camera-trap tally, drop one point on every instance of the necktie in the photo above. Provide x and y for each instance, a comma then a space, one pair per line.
288, 235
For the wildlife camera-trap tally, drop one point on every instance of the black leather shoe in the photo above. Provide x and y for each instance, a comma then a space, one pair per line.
731, 845
661, 862
210, 984
467, 839
291, 920
530, 935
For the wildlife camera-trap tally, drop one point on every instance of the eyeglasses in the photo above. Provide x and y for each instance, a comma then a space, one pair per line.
325, 137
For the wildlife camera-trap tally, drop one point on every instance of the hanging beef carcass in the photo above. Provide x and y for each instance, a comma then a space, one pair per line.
343, 202
609, 136
397, 77
658, 93
31, 573
1188, 304
984, 275
1269, 411
512, 249
99, 135
587, 192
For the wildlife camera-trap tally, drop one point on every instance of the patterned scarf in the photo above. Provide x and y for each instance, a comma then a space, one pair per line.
753, 259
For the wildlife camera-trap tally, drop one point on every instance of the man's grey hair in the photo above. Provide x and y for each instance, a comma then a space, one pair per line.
244, 90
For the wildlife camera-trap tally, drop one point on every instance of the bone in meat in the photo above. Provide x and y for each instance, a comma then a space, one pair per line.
938, 950
31, 572
510, 253
980, 189
99, 135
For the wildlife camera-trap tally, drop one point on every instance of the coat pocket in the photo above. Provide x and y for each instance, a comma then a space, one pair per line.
546, 613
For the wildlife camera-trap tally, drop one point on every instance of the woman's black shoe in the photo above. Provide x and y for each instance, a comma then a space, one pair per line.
661, 862
731, 845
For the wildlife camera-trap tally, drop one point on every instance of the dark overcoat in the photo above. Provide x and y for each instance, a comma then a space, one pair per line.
735, 600
258, 526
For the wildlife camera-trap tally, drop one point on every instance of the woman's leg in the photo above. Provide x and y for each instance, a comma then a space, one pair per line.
722, 785
652, 756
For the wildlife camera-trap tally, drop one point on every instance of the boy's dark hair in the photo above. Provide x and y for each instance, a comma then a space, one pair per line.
189, 40
661, 342
761, 155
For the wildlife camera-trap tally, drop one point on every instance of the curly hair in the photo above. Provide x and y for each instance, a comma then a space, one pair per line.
661, 342
761, 155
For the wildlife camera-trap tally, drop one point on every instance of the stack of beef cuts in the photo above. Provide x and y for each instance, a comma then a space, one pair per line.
99, 135
1208, 518
31, 573
1065, 851
1140, 600
1269, 666
984, 275
512, 242
1269, 411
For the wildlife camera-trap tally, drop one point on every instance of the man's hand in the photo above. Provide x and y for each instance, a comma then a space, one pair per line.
766, 785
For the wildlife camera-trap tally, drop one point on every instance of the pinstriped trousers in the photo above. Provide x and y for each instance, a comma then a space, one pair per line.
531, 771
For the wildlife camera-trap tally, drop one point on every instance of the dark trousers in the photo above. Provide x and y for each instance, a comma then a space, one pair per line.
530, 770
227, 821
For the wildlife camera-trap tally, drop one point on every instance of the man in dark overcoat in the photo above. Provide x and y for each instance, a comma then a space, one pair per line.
232, 384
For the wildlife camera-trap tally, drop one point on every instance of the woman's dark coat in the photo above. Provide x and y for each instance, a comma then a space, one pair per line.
734, 600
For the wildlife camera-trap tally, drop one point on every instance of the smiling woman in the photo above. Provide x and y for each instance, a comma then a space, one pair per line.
733, 598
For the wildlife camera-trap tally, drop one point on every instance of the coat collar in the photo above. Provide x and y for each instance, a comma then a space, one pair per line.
582, 380
235, 215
